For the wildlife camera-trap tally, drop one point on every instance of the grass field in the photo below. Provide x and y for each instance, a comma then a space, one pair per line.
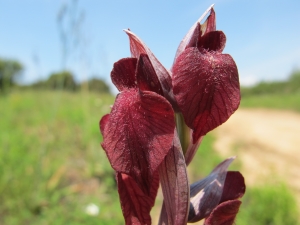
272, 101
51, 162
52, 165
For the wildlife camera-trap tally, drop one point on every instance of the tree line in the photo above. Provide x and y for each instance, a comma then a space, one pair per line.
289, 86
11, 70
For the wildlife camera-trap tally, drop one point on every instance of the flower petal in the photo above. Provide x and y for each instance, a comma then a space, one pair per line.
191, 34
146, 77
210, 23
234, 186
224, 214
103, 122
212, 41
123, 73
136, 205
139, 134
205, 194
175, 186
206, 87
137, 47
194, 37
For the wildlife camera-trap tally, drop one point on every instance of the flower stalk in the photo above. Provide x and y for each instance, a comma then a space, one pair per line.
183, 131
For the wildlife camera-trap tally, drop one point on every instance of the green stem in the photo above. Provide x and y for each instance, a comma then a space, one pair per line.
183, 132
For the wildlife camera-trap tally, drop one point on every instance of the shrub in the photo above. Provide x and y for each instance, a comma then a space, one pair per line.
268, 205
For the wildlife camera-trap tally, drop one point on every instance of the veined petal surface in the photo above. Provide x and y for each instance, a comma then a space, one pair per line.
206, 87
234, 187
123, 73
224, 214
136, 205
147, 79
175, 186
139, 134
212, 41
138, 47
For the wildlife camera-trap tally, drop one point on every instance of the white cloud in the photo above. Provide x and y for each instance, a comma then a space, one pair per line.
248, 80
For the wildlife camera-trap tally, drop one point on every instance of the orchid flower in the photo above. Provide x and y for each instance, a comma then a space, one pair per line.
158, 121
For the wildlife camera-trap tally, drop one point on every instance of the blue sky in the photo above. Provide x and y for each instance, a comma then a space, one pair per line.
262, 36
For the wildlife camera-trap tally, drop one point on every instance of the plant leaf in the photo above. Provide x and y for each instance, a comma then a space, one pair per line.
123, 73
224, 214
206, 87
136, 205
206, 194
139, 134
175, 186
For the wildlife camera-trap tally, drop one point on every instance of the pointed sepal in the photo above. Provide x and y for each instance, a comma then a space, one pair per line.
206, 194
175, 186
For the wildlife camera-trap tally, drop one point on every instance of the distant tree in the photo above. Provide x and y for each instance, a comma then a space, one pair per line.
292, 85
9, 71
294, 81
61, 80
97, 85
41, 84
295, 76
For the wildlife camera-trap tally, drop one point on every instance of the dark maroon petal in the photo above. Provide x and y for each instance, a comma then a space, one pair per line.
139, 134
234, 186
136, 205
137, 47
163, 217
191, 35
195, 37
212, 41
123, 73
210, 23
205, 194
224, 214
103, 122
146, 77
206, 87
175, 186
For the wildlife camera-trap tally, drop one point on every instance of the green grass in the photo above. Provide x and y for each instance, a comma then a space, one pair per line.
272, 101
268, 205
51, 161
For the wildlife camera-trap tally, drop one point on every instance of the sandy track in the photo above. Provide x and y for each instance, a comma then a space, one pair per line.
267, 143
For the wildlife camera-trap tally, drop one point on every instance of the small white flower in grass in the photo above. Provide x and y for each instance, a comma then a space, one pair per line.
92, 209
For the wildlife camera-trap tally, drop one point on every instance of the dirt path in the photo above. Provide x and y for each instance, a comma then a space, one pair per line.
267, 143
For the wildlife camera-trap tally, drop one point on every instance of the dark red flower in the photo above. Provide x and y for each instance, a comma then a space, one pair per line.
205, 81
143, 142
209, 194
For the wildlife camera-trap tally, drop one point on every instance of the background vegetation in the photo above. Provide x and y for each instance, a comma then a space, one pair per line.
277, 95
